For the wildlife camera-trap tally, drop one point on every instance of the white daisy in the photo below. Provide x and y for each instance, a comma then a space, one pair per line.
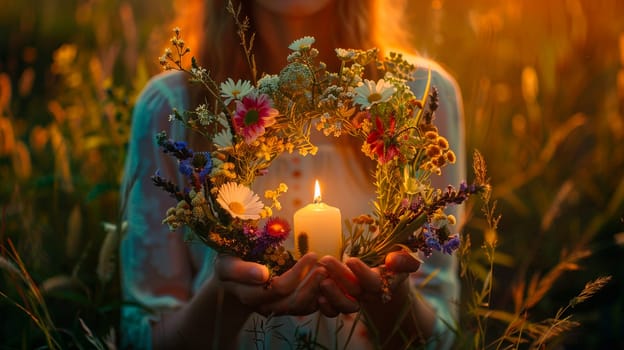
240, 201
231, 90
302, 43
344, 54
370, 93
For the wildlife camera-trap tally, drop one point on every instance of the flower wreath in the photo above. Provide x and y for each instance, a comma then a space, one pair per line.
250, 123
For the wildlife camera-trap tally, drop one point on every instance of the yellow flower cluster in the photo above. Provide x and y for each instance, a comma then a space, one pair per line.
268, 147
178, 216
440, 219
366, 150
330, 126
273, 195
437, 152
226, 170
199, 204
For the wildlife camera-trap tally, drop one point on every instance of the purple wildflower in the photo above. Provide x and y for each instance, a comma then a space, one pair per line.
200, 163
405, 203
185, 167
178, 149
431, 239
274, 233
203, 162
251, 230
417, 204
451, 245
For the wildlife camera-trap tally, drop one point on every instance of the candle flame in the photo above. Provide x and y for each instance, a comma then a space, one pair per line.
317, 192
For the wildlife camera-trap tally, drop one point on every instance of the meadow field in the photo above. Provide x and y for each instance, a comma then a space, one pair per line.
543, 91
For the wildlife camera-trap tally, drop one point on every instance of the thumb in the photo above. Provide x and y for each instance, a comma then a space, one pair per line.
402, 261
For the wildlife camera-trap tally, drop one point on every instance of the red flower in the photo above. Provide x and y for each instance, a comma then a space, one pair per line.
277, 228
253, 114
383, 143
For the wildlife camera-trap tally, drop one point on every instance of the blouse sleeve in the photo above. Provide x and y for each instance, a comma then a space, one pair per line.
157, 269
438, 280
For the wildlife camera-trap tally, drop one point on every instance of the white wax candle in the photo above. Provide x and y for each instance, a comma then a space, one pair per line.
318, 228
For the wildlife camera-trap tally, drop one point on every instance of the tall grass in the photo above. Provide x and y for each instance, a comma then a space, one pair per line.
67, 88
544, 102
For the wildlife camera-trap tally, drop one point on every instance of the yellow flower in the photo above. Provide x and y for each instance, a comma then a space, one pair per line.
282, 187
240, 201
431, 135
442, 142
433, 151
266, 212
450, 156
440, 219
451, 219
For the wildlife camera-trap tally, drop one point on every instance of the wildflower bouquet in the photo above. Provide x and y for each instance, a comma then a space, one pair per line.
251, 123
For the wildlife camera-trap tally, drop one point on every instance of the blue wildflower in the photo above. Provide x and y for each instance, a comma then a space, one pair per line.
463, 186
180, 145
431, 240
201, 162
434, 243
451, 245
205, 164
185, 167
178, 149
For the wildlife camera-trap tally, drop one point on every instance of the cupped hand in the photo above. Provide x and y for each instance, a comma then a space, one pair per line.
353, 282
295, 292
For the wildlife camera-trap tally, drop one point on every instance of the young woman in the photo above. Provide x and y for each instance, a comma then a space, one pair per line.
182, 294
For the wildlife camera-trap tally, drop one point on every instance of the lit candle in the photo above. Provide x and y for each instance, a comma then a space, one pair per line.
318, 228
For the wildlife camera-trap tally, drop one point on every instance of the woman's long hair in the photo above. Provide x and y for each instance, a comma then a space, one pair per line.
210, 32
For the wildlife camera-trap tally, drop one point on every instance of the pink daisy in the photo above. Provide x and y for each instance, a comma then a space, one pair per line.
253, 114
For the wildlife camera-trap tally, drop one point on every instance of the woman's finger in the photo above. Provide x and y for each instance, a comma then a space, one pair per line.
342, 275
337, 299
303, 300
370, 281
402, 261
326, 308
234, 269
287, 282
301, 280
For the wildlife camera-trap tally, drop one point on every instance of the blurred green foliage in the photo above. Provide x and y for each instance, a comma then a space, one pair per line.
543, 85
69, 73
